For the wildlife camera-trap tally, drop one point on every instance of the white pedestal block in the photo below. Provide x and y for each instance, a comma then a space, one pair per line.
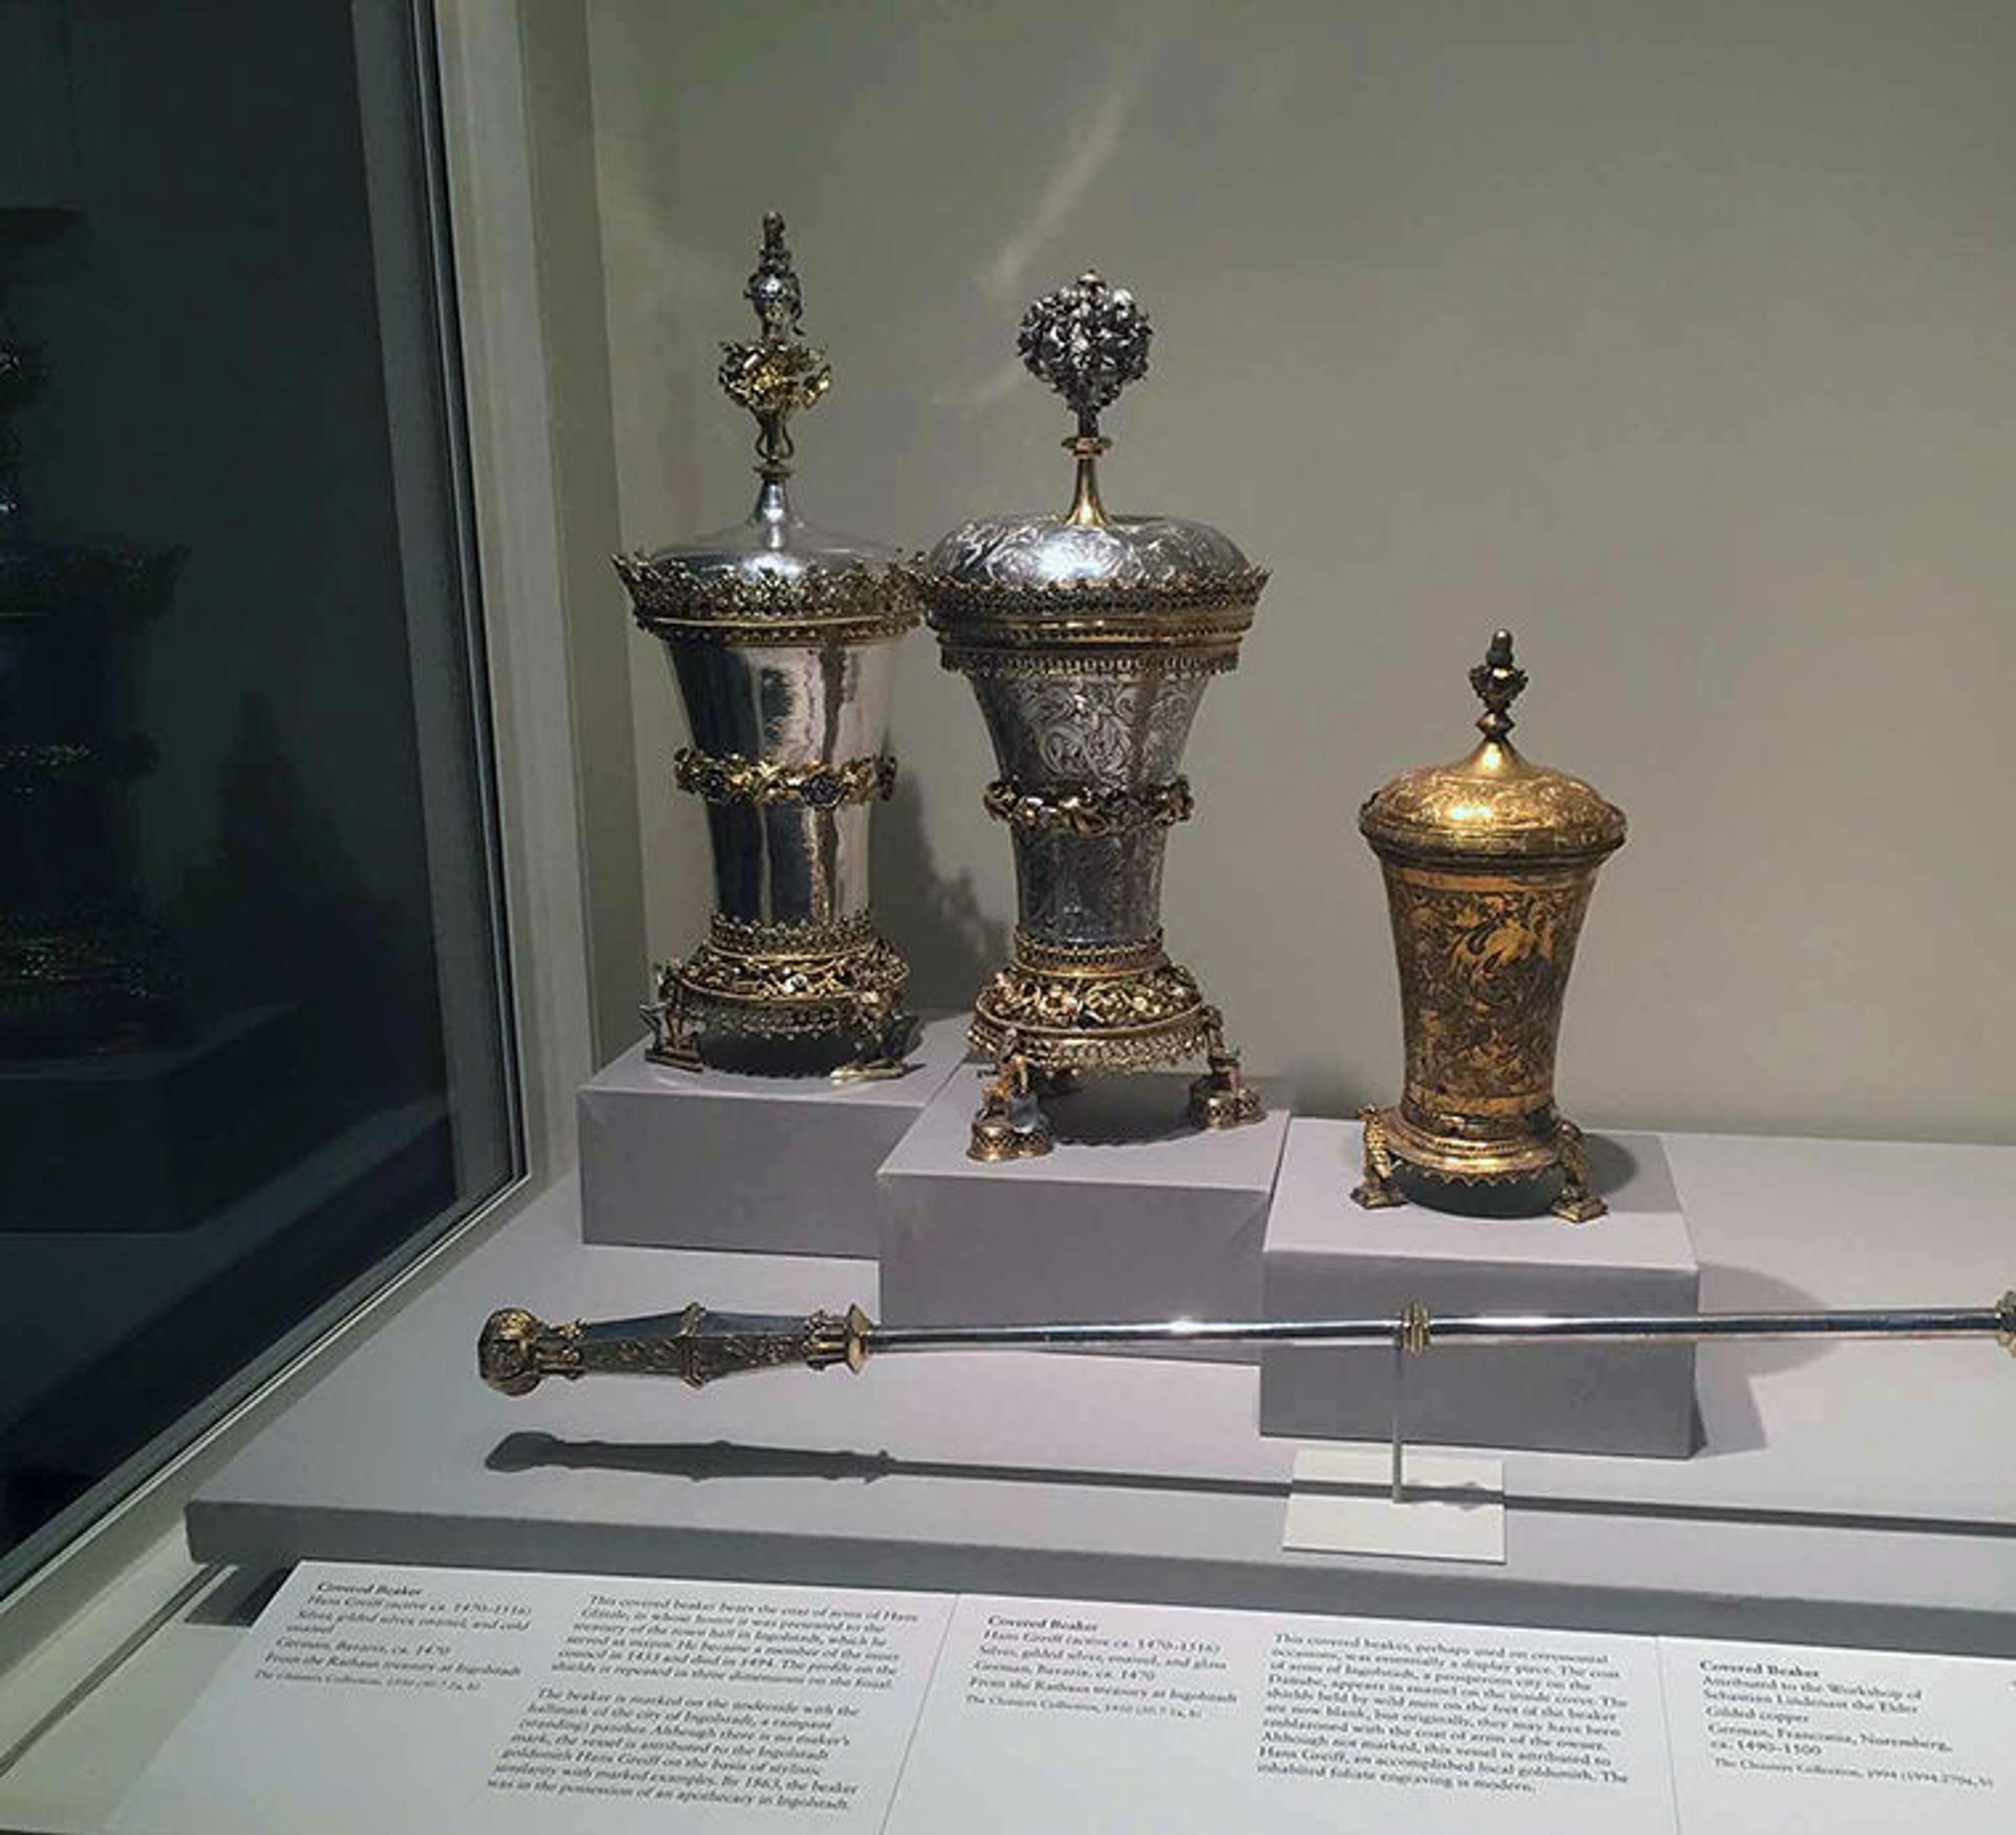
1326, 1257
707, 1160
1134, 1215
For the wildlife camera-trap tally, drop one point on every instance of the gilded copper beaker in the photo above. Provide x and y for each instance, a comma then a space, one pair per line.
1489, 863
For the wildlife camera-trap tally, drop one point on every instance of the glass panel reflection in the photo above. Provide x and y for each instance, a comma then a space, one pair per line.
246, 897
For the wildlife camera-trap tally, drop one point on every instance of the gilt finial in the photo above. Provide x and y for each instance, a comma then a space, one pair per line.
1497, 680
780, 374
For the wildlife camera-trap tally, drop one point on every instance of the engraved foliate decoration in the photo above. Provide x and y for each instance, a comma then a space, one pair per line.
1089, 638
1489, 865
780, 639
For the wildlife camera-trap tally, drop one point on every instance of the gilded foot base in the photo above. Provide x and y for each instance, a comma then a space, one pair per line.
671, 1042
1377, 1191
1072, 1008
1576, 1201
1009, 1125
1219, 1098
795, 992
1386, 1150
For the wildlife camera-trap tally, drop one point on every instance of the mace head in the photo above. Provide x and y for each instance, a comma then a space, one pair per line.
507, 1351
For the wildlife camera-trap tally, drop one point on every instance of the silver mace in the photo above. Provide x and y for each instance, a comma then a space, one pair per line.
516, 1351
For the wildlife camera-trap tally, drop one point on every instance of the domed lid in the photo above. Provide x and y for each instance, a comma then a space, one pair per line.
1493, 805
772, 578
1087, 575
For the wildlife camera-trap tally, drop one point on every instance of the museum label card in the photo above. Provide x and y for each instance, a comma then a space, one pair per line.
1767, 1738
409, 1700
1058, 1717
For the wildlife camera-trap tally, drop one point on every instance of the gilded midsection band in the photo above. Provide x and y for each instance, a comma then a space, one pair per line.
1088, 809
817, 783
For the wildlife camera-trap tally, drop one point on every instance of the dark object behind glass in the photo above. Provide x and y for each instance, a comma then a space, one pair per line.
243, 854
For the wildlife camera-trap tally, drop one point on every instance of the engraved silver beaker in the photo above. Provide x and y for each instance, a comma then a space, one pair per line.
1088, 639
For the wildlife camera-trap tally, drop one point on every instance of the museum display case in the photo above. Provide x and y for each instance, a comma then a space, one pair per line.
255, 1048
1140, 1450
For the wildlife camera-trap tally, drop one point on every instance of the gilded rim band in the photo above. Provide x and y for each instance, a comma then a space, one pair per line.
754, 936
1175, 662
1040, 957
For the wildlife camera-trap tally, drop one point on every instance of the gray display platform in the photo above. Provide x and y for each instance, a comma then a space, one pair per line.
1133, 1215
1859, 1494
1325, 1257
783, 1165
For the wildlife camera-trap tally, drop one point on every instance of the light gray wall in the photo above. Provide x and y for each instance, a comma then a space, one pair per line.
1677, 337
560, 115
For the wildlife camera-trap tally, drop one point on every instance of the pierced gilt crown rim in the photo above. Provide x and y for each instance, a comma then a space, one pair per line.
1057, 602
669, 593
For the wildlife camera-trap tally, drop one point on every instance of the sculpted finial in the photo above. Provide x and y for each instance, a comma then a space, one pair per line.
1497, 682
780, 374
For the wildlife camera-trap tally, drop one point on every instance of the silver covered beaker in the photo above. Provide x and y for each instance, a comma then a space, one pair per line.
782, 641
1089, 638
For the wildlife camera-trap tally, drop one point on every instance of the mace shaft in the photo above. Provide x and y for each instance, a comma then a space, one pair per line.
516, 1351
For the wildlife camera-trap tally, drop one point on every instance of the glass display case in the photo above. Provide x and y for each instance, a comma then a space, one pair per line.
484, 1358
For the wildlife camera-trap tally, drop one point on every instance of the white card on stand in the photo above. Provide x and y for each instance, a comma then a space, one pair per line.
1453, 1504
